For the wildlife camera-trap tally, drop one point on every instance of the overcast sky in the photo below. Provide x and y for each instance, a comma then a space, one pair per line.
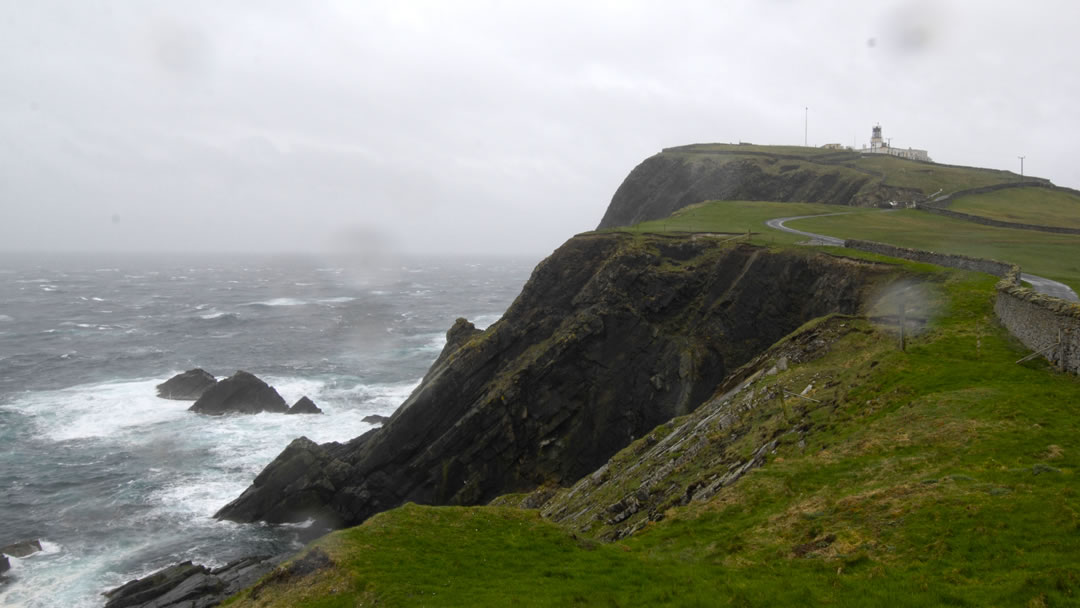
478, 126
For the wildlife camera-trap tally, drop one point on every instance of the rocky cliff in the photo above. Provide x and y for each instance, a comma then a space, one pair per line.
612, 336
678, 177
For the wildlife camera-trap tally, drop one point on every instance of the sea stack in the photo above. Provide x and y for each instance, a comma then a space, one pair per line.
240, 393
187, 386
304, 406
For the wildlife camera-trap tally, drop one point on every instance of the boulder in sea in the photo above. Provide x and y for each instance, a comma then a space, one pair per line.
304, 406
375, 419
240, 393
5, 565
187, 386
21, 548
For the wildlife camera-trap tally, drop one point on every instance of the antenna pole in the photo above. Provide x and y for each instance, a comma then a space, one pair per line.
1021, 167
806, 125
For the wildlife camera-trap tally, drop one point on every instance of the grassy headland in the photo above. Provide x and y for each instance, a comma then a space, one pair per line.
939, 475
943, 474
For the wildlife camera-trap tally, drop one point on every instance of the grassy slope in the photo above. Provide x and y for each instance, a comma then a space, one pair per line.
1056, 256
902, 173
946, 475
930, 177
1024, 205
736, 217
943, 475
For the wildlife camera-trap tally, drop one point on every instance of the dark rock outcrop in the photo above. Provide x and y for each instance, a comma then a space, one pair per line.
375, 419
298, 485
304, 406
188, 585
21, 548
687, 175
187, 386
611, 336
240, 393
5, 564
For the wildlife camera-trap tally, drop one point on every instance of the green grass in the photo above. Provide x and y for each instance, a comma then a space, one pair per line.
899, 172
945, 475
1040, 206
734, 217
1056, 256
801, 151
931, 177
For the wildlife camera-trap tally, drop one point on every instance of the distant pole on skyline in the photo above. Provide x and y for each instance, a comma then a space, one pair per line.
805, 125
1021, 166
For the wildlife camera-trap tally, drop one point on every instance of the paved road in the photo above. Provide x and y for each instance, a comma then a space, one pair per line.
1039, 284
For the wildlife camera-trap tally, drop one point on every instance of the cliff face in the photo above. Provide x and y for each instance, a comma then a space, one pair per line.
612, 336
678, 177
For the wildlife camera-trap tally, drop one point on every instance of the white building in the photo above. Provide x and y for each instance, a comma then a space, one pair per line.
879, 145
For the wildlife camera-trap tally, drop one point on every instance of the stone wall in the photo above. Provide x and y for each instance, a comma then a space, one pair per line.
962, 262
978, 219
938, 206
1049, 326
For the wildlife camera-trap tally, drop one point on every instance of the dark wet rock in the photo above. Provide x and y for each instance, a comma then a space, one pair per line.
298, 485
612, 336
304, 406
190, 585
375, 419
21, 548
187, 386
240, 393
5, 565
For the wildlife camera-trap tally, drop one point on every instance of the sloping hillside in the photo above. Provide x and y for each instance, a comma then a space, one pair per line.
683, 176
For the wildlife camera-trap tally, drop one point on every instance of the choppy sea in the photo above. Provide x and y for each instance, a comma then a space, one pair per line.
116, 482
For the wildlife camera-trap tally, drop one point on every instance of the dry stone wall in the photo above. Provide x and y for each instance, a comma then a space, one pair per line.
1047, 325
962, 262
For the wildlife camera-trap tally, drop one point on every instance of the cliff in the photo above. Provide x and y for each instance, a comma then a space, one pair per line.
678, 177
612, 336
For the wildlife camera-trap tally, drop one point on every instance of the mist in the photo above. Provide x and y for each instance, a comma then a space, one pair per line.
360, 128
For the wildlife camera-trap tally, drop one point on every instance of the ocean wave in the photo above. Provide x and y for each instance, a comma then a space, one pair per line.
6, 319
337, 300
278, 302
104, 410
211, 316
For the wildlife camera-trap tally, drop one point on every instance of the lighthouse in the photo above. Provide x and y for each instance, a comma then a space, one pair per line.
876, 142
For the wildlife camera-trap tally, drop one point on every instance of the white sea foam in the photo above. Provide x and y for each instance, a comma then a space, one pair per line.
279, 302
114, 410
6, 319
215, 315
337, 300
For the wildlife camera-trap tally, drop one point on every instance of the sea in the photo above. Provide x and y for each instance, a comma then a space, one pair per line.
116, 482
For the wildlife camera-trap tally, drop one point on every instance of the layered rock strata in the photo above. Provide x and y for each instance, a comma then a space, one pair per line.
612, 336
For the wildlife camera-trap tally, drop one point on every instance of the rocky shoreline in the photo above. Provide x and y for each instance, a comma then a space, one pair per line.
611, 336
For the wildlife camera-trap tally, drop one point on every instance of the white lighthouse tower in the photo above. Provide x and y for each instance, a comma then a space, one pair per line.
876, 142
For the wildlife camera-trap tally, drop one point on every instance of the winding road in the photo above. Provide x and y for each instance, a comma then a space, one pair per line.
1042, 285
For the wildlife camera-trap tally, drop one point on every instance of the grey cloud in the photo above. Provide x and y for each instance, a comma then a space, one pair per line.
475, 126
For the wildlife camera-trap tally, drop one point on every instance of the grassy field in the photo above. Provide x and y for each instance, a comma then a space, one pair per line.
930, 177
941, 475
1056, 256
1040, 206
736, 217
902, 173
